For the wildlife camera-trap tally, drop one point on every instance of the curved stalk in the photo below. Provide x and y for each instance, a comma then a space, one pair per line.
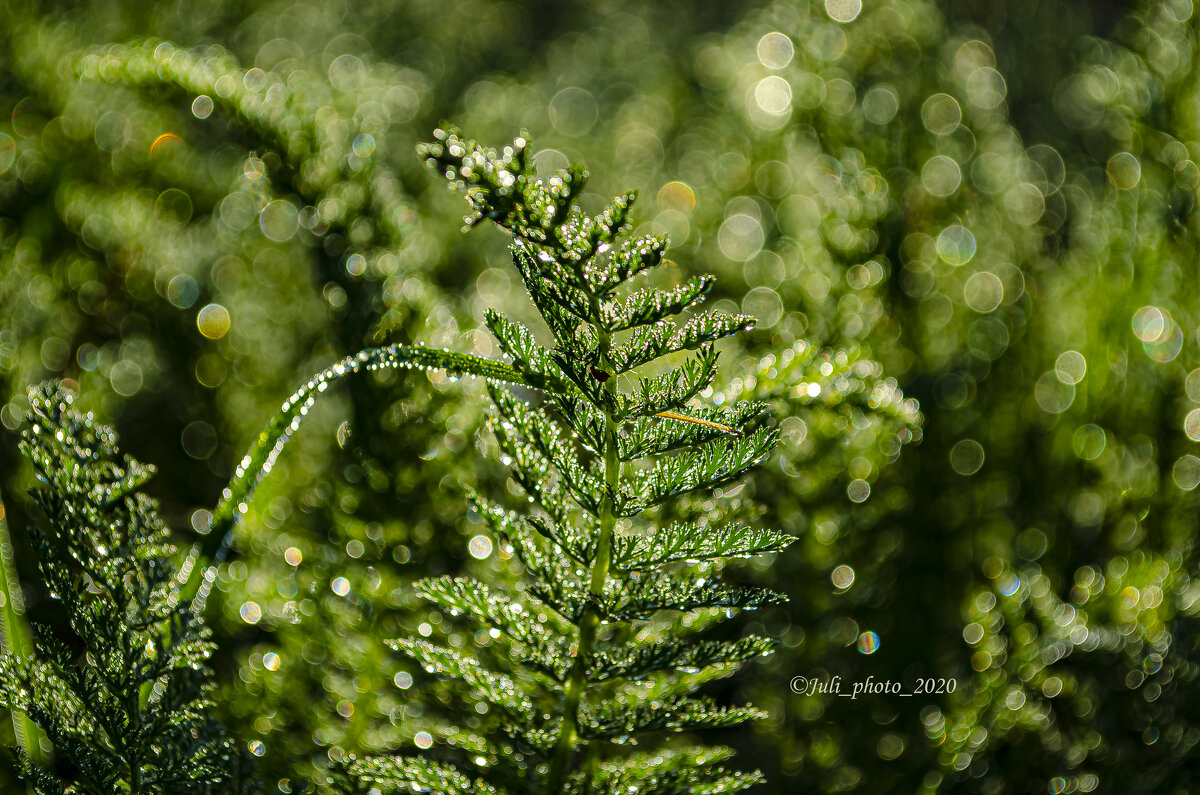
14, 638
200, 574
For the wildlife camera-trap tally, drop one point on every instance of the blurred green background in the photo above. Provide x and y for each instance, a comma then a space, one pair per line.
973, 224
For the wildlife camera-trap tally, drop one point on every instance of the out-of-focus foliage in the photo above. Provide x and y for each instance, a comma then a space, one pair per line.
988, 207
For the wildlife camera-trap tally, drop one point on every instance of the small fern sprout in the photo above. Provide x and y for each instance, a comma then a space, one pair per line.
595, 688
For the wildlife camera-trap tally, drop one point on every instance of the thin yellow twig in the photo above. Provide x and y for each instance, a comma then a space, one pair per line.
671, 415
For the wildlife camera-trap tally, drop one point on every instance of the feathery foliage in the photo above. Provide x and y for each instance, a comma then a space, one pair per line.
604, 630
993, 204
126, 699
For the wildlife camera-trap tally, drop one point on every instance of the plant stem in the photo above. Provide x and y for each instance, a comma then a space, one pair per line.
14, 638
577, 679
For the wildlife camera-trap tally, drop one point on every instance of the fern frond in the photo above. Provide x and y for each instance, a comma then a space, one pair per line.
637, 599
612, 720
413, 774
647, 303
669, 772
649, 342
699, 467
639, 658
651, 436
541, 647
605, 442
692, 543
106, 558
498, 689
664, 394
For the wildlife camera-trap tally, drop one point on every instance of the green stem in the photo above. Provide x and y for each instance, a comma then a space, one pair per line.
14, 638
577, 678
133, 708
271, 440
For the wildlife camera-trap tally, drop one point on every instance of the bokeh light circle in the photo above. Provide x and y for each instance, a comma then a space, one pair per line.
573, 111
1052, 395
880, 104
1124, 170
983, 292
1149, 323
740, 237
941, 114
941, 175
8, 152
774, 95
966, 457
1071, 367
279, 220
956, 245
202, 106
775, 50
213, 321
480, 547
1191, 425
843, 10
842, 577
868, 642
1186, 472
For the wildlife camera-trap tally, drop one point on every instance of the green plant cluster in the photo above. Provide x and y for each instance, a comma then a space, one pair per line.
599, 658
989, 209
